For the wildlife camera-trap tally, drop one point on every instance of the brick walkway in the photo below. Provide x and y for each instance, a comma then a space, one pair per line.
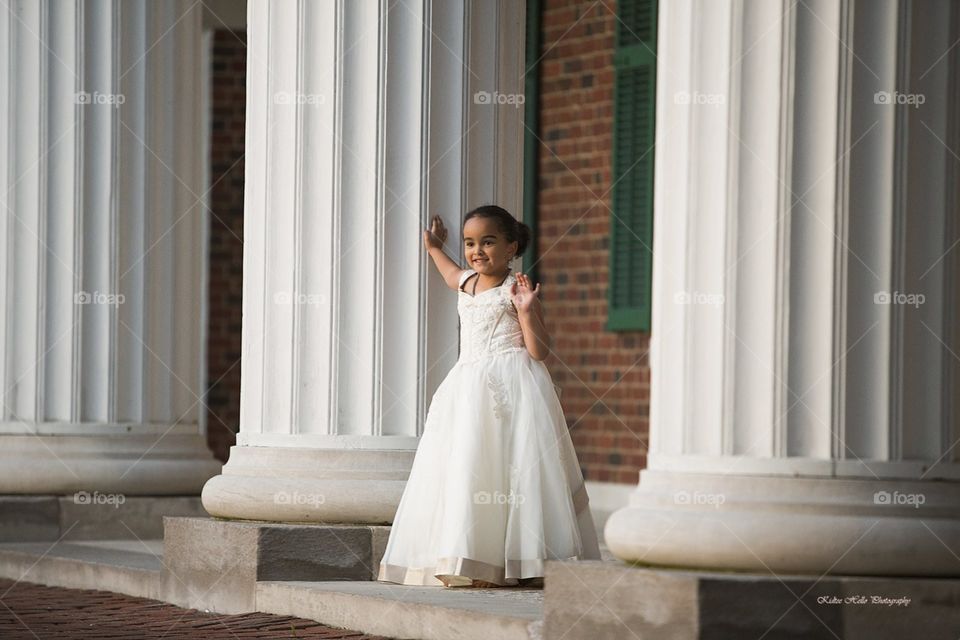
32, 611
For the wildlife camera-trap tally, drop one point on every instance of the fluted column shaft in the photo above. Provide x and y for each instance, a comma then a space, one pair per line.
361, 124
804, 386
101, 233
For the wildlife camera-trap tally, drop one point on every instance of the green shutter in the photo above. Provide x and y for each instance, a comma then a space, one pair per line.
631, 224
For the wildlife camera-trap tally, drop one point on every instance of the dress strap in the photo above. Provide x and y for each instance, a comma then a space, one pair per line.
463, 277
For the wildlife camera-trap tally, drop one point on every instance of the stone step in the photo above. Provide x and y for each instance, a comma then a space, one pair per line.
401, 611
218, 563
138, 568
131, 567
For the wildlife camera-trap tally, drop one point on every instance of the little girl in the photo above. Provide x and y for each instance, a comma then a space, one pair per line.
495, 487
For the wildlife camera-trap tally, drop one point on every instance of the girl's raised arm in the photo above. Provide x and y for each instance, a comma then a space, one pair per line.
433, 239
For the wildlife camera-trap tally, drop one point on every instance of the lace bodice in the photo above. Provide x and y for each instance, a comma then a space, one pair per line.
488, 321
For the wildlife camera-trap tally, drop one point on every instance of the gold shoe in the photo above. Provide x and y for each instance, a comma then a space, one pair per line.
483, 584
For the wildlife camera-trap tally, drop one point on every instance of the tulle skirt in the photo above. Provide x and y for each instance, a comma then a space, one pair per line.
495, 487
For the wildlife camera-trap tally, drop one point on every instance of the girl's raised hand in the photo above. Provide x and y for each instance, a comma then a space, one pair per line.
436, 235
523, 294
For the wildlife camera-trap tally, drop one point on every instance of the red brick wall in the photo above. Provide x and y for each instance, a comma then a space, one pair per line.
228, 106
605, 376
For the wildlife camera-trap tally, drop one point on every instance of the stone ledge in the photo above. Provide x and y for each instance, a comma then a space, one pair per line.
593, 600
55, 517
133, 568
218, 562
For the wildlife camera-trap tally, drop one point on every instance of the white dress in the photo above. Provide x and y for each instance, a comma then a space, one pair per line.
495, 487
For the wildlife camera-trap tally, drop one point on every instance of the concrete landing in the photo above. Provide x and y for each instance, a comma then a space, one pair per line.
400, 611
130, 567
324, 573
139, 568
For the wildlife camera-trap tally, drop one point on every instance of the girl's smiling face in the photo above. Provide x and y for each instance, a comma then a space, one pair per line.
485, 247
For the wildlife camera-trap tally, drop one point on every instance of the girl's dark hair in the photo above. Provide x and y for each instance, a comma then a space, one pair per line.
513, 229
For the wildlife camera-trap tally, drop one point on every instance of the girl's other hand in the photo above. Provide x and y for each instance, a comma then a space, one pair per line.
523, 294
436, 235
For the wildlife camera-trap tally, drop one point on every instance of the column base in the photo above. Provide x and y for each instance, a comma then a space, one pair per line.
131, 460
790, 525
294, 484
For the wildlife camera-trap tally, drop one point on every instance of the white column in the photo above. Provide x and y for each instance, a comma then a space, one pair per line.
101, 236
800, 421
361, 125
